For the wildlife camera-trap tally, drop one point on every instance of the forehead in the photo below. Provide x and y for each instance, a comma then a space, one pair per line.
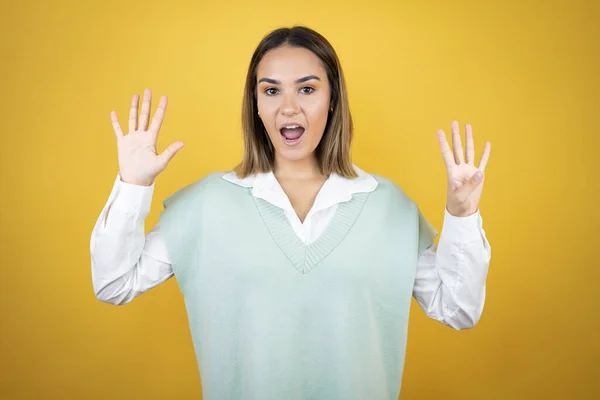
290, 63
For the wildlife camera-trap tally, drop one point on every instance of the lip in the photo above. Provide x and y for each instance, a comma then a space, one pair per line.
290, 124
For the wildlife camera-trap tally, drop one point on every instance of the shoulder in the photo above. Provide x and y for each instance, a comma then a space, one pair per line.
390, 197
209, 186
393, 200
388, 188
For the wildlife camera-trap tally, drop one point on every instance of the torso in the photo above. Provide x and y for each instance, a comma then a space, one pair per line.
232, 253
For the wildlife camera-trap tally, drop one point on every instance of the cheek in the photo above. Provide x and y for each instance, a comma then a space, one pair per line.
268, 111
317, 111
266, 106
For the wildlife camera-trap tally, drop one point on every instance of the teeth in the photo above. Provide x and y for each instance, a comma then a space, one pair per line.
291, 126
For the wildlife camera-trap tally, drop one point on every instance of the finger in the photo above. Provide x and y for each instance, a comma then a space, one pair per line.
133, 112
456, 144
470, 145
485, 156
145, 114
115, 124
445, 148
159, 115
168, 153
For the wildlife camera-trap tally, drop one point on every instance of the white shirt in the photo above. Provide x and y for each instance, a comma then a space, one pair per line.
450, 277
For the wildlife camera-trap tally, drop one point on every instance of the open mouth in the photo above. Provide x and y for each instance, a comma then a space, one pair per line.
292, 133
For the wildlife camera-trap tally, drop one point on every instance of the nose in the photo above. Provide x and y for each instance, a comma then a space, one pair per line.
289, 105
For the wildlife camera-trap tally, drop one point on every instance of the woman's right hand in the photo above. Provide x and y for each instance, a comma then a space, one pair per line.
139, 163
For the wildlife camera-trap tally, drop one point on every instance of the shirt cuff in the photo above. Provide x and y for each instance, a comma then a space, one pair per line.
462, 229
132, 199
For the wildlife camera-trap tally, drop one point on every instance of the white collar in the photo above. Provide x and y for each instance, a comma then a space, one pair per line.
336, 188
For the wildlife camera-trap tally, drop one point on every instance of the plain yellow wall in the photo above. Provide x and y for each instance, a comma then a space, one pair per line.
524, 74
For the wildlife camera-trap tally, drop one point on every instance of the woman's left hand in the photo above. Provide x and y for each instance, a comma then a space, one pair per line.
465, 180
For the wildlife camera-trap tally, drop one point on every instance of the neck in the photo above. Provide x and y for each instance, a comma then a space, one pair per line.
306, 168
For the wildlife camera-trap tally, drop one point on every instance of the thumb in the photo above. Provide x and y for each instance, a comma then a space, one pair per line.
471, 184
168, 153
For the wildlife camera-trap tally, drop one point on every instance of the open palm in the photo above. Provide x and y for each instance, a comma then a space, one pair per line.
465, 180
139, 162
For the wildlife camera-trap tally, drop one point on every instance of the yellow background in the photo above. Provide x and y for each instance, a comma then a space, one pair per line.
524, 74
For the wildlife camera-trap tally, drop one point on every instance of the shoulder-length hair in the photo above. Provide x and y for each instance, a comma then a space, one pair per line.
333, 151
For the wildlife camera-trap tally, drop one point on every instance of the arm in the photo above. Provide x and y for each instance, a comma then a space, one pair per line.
125, 263
450, 278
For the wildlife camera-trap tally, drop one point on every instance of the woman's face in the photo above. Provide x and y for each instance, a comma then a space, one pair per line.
293, 97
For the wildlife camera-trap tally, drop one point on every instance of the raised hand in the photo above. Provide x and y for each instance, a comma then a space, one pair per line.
465, 180
139, 163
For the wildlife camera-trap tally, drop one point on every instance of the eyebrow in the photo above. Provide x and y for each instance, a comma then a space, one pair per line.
276, 82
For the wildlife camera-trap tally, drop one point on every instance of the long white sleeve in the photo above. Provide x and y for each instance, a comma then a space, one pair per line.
450, 278
125, 262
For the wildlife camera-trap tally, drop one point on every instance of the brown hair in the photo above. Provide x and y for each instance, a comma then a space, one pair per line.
333, 151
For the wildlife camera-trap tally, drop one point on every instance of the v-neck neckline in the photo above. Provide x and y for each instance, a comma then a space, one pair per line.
304, 257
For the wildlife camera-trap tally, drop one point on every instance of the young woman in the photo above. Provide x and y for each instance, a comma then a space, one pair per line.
297, 268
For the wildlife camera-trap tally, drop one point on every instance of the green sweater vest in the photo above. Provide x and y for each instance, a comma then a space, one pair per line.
273, 318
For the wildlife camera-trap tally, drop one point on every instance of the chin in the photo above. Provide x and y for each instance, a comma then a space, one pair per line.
294, 155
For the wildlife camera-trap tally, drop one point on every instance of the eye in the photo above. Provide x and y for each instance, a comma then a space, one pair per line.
304, 90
